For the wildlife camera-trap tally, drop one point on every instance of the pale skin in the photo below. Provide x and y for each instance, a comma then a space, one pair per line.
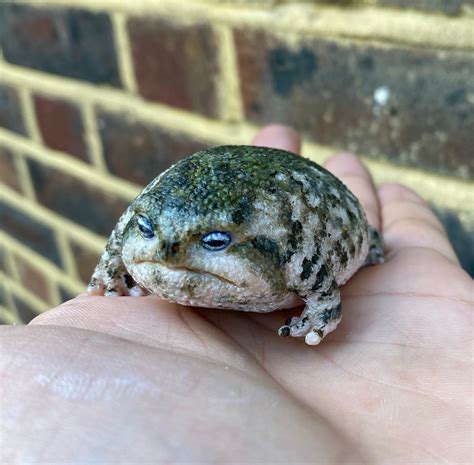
137, 379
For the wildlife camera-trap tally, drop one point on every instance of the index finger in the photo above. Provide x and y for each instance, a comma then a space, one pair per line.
408, 222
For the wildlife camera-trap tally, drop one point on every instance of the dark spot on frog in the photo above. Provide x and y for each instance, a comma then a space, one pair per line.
331, 313
287, 257
302, 322
267, 247
352, 249
338, 221
338, 249
344, 258
307, 269
242, 212
295, 235
288, 68
320, 278
330, 291
284, 331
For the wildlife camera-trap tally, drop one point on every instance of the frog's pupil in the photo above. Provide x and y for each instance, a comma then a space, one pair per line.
216, 240
145, 226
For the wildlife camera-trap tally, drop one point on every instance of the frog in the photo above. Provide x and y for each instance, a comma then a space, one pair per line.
244, 228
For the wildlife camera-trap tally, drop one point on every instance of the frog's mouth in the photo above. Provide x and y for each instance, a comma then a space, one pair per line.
188, 269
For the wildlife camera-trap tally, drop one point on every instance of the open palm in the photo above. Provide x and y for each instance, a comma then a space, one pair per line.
136, 379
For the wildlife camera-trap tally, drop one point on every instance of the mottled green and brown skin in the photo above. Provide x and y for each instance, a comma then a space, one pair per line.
297, 234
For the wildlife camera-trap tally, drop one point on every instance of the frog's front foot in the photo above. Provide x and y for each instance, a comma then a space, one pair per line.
313, 332
321, 315
115, 284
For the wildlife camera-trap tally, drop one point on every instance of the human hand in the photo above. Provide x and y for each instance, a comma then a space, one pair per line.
135, 379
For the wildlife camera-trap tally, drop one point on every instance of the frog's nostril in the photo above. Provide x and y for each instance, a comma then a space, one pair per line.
168, 249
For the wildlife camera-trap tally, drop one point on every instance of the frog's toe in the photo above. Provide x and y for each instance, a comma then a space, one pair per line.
295, 326
95, 287
314, 337
317, 333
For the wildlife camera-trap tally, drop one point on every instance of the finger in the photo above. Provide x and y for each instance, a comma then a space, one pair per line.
408, 222
278, 136
350, 170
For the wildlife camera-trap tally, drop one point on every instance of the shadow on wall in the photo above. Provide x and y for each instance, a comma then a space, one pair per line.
461, 238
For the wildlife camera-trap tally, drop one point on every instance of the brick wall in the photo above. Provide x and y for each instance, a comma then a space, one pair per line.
99, 96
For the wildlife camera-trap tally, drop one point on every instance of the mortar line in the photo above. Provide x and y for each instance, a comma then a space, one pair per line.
412, 28
92, 138
11, 267
18, 290
63, 162
53, 220
25, 178
123, 53
33, 258
66, 254
230, 102
29, 114
10, 302
54, 294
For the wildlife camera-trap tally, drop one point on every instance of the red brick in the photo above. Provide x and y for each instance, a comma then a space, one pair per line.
61, 126
74, 199
138, 151
11, 117
69, 42
32, 278
8, 172
85, 259
175, 64
328, 90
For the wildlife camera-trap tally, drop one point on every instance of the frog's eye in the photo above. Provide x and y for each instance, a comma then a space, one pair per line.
145, 226
216, 240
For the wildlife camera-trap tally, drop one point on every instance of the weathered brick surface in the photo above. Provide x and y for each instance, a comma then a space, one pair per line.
32, 278
76, 200
24, 309
29, 232
8, 171
85, 260
70, 42
139, 151
410, 106
175, 64
10, 111
61, 126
